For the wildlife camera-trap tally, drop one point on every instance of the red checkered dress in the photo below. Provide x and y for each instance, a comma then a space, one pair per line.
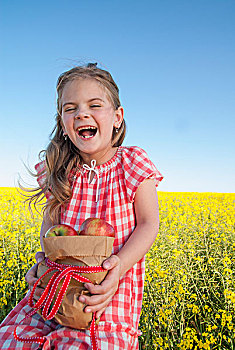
109, 196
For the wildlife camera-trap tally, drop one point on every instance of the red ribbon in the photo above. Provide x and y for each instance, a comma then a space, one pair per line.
65, 272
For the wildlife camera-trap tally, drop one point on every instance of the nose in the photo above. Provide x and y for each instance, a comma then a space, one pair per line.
82, 114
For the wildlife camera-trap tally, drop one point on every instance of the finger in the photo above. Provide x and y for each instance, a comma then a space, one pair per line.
94, 299
31, 273
111, 262
38, 291
97, 308
30, 280
99, 313
39, 256
111, 281
96, 289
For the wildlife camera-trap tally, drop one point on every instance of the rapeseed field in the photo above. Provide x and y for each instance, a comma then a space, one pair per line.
189, 298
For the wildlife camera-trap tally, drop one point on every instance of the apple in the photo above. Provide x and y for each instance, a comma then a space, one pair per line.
96, 227
61, 230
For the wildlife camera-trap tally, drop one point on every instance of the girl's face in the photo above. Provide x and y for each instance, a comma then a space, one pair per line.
88, 118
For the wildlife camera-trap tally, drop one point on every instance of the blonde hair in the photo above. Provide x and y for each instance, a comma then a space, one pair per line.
61, 156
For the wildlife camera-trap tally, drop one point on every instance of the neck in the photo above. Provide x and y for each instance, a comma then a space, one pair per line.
100, 157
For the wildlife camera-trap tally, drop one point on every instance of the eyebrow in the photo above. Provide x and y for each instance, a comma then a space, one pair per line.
92, 99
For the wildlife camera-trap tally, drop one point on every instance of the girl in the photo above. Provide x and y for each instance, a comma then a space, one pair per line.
87, 173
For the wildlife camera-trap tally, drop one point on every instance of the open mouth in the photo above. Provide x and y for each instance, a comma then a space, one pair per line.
87, 132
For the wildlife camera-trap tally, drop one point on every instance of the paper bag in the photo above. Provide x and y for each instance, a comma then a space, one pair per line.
78, 251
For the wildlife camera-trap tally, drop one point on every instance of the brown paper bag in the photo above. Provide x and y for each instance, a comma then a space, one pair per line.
78, 251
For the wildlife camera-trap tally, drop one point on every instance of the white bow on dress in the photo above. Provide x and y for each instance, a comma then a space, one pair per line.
90, 169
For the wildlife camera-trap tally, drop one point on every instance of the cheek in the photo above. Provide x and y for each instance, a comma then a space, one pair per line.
106, 118
67, 120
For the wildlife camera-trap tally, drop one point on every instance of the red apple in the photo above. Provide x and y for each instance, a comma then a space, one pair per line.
96, 227
61, 230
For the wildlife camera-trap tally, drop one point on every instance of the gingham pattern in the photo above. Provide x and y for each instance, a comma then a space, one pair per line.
119, 179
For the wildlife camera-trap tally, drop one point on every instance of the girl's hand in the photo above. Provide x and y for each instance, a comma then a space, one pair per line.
102, 294
31, 275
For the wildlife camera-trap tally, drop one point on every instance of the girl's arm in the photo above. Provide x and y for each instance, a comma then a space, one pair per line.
138, 244
147, 218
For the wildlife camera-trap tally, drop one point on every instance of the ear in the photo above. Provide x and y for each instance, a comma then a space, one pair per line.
119, 115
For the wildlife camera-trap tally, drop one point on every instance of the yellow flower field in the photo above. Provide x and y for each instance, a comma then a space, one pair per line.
189, 299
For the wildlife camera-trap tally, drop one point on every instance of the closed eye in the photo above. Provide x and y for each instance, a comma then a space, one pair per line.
73, 108
69, 109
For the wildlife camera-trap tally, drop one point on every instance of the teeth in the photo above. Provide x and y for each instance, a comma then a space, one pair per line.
87, 127
86, 137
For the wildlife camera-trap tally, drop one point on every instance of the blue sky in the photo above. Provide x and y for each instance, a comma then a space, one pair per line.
174, 62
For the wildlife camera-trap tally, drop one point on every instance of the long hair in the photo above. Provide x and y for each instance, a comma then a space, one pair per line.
61, 156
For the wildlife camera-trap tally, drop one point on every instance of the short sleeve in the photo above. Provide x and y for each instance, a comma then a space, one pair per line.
40, 169
137, 168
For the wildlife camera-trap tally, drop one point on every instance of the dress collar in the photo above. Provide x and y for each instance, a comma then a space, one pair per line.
105, 166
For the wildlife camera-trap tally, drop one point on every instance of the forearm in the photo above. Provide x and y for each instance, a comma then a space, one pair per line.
137, 245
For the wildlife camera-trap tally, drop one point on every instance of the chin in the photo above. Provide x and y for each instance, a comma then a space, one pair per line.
92, 150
